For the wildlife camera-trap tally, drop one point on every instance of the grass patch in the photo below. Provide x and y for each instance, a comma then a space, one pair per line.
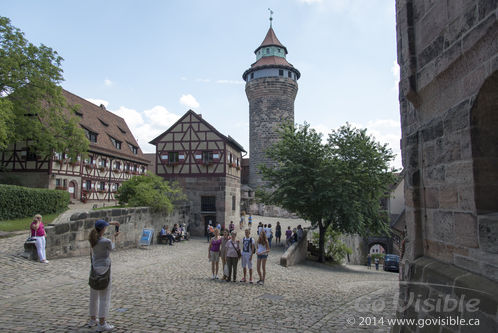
24, 223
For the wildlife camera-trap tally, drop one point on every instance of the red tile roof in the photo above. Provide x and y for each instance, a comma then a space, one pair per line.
273, 60
271, 39
95, 119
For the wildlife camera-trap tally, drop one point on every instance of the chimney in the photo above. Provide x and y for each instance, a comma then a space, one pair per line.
102, 106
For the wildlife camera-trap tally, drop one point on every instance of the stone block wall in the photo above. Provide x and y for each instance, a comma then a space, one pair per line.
359, 247
71, 238
448, 56
271, 104
296, 253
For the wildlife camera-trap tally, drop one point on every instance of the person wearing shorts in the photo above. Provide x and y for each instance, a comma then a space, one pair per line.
263, 248
214, 253
248, 247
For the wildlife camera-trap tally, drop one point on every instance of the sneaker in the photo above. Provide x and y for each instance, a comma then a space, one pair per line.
259, 282
91, 323
243, 280
216, 278
250, 281
104, 328
44, 261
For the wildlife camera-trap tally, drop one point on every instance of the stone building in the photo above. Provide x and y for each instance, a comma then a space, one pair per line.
113, 157
271, 88
448, 54
207, 164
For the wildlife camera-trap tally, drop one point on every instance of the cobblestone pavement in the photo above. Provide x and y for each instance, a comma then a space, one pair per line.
168, 289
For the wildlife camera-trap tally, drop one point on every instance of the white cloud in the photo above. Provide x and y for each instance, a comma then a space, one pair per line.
161, 116
98, 102
108, 82
189, 101
230, 81
132, 117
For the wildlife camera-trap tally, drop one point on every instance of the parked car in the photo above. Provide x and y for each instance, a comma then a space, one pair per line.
391, 263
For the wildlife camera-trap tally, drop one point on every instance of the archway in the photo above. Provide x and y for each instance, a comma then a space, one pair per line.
484, 136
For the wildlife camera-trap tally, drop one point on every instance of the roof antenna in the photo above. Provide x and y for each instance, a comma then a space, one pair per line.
271, 13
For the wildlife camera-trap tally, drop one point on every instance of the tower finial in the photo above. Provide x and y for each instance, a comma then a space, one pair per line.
271, 13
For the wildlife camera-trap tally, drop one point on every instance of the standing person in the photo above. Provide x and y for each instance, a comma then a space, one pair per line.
263, 248
233, 251
376, 263
288, 234
300, 233
231, 227
278, 233
369, 261
269, 234
223, 251
101, 248
249, 220
214, 253
242, 220
38, 233
248, 248
260, 228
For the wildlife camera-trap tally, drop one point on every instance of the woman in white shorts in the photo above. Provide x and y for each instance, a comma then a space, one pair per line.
214, 253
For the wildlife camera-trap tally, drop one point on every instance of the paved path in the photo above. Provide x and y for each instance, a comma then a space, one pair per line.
168, 289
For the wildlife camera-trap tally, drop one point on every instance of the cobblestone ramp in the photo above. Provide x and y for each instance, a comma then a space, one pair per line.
168, 289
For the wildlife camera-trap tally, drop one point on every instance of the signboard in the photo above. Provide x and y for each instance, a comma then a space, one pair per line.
146, 238
71, 190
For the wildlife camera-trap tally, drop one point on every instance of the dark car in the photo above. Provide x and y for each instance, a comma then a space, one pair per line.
391, 263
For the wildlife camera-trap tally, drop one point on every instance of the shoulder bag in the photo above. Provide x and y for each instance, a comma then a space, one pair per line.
98, 281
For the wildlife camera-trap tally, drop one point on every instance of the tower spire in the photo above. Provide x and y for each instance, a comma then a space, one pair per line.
271, 18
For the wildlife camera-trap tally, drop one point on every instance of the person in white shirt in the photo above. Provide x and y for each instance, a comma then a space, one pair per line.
248, 248
269, 234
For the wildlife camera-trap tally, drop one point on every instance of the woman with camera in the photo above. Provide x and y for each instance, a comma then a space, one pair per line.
100, 274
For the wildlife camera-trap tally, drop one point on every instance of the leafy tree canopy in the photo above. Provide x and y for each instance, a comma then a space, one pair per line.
32, 107
337, 184
150, 191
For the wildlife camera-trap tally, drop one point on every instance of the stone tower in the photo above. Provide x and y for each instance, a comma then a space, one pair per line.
271, 88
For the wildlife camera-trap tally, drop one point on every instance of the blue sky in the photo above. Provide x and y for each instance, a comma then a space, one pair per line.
150, 61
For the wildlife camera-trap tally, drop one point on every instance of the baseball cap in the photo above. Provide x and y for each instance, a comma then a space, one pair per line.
100, 224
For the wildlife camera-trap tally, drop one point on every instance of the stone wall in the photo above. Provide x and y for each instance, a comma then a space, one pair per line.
296, 253
269, 210
359, 247
271, 103
448, 56
71, 238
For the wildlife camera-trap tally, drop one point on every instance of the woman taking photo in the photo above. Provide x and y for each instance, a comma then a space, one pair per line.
100, 251
263, 248
214, 253
38, 233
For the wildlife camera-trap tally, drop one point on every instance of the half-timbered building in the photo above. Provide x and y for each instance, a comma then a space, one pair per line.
207, 164
113, 157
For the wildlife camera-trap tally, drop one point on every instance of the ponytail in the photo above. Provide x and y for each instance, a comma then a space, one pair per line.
94, 237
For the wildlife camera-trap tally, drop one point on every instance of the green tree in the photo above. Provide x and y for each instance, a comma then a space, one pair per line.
150, 191
337, 185
32, 106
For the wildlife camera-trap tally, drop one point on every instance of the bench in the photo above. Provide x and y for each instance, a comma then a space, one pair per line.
30, 251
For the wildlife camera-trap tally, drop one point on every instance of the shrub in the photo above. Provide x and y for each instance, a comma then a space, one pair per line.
151, 191
334, 247
18, 201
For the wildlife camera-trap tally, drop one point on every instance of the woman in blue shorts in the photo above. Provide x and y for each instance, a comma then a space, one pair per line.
263, 248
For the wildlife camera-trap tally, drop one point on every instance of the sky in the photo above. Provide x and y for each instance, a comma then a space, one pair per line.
151, 61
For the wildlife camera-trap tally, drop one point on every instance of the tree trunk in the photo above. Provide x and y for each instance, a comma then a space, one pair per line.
321, 242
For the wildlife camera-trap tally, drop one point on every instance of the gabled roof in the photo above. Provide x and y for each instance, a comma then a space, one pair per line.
271, 40
228, 139
95, 119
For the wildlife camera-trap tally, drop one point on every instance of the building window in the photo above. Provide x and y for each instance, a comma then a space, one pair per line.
31, 156
281, 72
207, 156
116, 143
289, 74
233, 202
238, 162
58, 182
133, 149
117, 165
267, 50
208, 204
252, 76
88, 185
101, 186
91, 136
230, 159
173, 157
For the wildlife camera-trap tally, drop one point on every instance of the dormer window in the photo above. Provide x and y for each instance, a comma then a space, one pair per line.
122, 130
91, 136
133, 149
79, 114
103, 123
115, 143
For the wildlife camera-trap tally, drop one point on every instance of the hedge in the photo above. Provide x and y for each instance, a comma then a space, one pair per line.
18, 201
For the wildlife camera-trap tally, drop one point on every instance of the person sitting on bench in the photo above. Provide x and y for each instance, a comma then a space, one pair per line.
166, 234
